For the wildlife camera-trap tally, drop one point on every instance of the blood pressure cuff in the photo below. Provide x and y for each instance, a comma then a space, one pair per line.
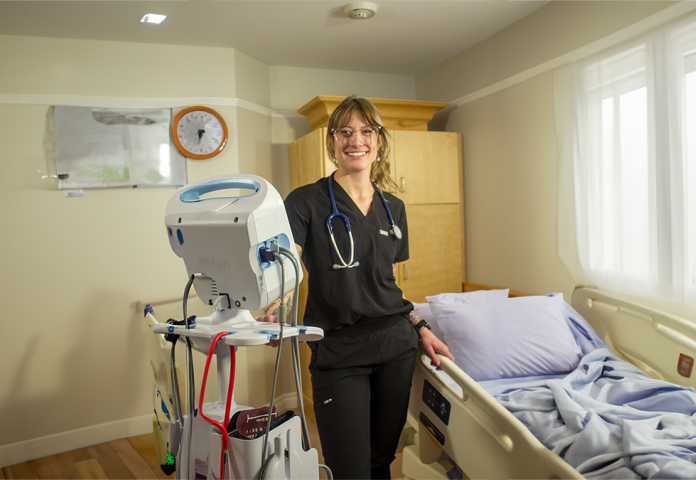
251, 423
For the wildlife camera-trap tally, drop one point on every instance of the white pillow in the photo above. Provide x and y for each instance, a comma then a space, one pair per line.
424, 312
505, 338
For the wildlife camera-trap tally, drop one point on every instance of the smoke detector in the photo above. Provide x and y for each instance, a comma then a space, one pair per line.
360, 10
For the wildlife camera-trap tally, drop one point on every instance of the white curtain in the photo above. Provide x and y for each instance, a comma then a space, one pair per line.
626, 131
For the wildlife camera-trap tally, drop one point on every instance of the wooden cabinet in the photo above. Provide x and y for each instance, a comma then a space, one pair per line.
308, 159
427, 168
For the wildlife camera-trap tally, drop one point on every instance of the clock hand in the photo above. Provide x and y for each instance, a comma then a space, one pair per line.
200, 135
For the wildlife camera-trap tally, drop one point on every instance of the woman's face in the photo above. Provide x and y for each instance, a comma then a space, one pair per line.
355, 153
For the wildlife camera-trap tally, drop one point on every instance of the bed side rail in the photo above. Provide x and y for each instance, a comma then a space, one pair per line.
661, 344
481, 436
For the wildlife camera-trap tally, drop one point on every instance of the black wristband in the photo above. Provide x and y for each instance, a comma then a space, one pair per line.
421, 325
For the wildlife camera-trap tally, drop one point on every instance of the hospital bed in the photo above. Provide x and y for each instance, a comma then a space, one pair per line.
465, 432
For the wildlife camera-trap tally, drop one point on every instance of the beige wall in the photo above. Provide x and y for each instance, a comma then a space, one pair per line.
253, 81
509, 144
75, 353
549, 32
293, 87
78, 67
509, 152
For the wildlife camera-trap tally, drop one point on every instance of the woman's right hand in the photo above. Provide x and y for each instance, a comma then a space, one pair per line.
269, 319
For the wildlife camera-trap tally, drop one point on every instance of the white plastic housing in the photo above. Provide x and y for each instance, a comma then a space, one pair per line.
220, 237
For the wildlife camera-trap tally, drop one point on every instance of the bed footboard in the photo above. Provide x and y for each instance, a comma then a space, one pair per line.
478, 433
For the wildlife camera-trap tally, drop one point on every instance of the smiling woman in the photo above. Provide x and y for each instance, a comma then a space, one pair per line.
361, 370
356, 133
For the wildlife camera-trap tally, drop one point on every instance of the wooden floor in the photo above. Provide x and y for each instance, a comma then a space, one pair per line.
128, 458
133, 457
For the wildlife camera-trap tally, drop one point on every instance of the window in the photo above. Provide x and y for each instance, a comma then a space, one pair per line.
632, 165
690, 177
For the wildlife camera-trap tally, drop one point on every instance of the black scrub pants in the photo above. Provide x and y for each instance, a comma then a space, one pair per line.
361, 386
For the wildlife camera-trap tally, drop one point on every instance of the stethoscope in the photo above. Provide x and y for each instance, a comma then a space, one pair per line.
396, 231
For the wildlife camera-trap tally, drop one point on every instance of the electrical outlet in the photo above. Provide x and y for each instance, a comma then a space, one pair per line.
686, 364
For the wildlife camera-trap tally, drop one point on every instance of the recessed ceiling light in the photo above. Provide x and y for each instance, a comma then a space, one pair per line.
153, 18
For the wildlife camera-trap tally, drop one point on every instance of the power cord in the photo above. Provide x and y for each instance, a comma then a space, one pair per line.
282, 314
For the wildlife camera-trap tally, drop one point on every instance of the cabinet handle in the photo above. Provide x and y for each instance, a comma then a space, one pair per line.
405, 272
403, 184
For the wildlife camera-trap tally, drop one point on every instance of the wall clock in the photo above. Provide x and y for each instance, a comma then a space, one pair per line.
199, 132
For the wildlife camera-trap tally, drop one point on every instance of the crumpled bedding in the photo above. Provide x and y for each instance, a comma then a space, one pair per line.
607, 418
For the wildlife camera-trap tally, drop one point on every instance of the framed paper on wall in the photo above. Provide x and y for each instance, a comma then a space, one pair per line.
116, 147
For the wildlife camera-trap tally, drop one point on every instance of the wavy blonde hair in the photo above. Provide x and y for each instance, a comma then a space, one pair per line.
379, 172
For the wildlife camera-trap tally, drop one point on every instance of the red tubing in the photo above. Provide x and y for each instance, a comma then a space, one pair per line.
230, 388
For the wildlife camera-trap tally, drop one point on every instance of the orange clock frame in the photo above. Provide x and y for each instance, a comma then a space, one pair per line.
184, 150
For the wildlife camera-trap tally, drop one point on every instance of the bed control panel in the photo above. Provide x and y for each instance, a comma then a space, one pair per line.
437, 403
437, 434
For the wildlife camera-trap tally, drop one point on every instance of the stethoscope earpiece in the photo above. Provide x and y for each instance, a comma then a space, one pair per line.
394, 229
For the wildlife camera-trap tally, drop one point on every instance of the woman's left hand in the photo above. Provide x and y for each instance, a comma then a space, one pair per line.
434, 346
269, 319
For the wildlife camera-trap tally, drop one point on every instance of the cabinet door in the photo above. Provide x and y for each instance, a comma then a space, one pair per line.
435, 264
308, 159
427, 166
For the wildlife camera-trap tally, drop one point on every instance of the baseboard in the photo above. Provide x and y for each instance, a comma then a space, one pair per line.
287, 401
82, 437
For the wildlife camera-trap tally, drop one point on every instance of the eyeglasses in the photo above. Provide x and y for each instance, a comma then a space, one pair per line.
344, 136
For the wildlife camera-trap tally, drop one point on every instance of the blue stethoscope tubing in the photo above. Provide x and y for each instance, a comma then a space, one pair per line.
394, 229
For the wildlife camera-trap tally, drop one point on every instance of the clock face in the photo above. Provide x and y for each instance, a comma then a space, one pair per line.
199, 132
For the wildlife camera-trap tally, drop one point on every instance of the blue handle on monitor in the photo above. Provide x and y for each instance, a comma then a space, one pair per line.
194, 193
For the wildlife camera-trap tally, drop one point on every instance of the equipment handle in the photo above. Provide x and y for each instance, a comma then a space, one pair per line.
194, 193
405, 272
403, 184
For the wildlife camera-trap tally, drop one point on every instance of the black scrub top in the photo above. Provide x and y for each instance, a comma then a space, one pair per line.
364, 298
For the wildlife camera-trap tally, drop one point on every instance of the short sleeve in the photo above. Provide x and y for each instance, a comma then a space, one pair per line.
402, 250
298, 211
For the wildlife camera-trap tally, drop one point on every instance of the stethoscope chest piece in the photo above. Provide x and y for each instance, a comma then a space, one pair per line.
397, 232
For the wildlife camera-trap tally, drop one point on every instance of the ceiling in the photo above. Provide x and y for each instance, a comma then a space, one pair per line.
405, 37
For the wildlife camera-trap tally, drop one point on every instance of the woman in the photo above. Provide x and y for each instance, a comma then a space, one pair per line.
361, 370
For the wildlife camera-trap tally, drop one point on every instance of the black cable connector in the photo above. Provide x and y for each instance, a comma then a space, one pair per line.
266, 255
172, 337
